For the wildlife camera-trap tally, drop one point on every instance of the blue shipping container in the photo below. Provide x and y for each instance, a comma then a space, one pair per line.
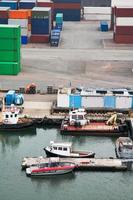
3, 21
40, 26
75, 101
12, 4
58, 26
104, 26
26, 5
67, 1
24, 39
109, 101
10, 97
69, 14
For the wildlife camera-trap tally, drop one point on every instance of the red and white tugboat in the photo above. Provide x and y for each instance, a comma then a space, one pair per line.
77, 122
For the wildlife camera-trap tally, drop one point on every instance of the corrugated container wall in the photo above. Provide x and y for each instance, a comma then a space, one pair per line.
123, 102
92, 101
75, 101
109, 101
12, 4
63, 100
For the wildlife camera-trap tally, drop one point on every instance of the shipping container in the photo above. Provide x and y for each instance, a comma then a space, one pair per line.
69, 15
123, 11
3, 21
41, 13
59, 18
4, 12
123, 102
63, 100
123, 39
20, 22
9, 44
9, 56
92, 101
124, 21
109, 101
40, 26
9, 68
123, 30
75, 101
67, 6
10, 31
39, 38
26, 4
67, 1
43, 3
18, 14
12, 4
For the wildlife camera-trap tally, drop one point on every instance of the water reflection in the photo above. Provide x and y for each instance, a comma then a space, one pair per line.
12, 138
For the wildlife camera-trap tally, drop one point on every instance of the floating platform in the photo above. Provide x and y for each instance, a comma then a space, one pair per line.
92, 164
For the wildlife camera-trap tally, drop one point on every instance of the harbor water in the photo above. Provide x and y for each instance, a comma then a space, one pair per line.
80, 185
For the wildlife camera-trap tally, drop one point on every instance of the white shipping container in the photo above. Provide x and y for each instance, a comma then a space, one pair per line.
121, 2
63, 100
92, 101
123, 102
124, 21
20, 22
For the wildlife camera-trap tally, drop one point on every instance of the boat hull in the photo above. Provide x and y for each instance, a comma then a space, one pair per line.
17, 126
51, 154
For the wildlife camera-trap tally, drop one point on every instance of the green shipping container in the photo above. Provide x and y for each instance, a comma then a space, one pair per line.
10, 31
9, 56
9, 68
40, 12
9, 44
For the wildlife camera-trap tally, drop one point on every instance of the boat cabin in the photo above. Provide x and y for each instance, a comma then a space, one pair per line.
10, 115
78, 116
63, 149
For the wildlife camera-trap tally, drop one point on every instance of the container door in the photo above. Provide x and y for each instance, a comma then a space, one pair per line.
109, 102
75, 101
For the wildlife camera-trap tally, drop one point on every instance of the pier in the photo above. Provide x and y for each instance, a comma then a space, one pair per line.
90, 164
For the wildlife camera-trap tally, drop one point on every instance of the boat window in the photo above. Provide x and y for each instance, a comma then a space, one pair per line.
74, 116
7, 116
55, 148
11, 115
15, 115
80, 117
59, 148
64, 149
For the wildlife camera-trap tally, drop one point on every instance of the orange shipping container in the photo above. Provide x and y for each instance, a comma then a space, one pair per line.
18, 14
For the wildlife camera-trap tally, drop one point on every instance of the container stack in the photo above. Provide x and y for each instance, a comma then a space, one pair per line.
69, 8
10, 59
123, 24
55, 37
40, 24
4, 14
45, 3
59, 21
13, 5
27, 4
20, 17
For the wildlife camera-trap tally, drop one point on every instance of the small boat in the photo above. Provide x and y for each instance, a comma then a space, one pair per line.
11, 119
53, 167
57, 149
77, 122
124, 148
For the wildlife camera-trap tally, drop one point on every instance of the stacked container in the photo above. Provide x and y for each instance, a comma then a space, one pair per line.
123, 23
55, 37
4, 14
69, 8
59, 21
20, 17
12, 4
27, 4
40, 24
10, 49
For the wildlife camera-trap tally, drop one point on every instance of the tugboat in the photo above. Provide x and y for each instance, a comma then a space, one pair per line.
11, 120
77, 122
124, 148
53, 167
65, 150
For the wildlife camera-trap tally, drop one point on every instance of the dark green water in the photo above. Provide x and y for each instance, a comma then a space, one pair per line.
14, 185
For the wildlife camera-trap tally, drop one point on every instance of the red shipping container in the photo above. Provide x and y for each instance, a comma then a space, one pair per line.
124, 12
45, 4
4, 14
123, 39
39, 38
67, 6
123, 30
